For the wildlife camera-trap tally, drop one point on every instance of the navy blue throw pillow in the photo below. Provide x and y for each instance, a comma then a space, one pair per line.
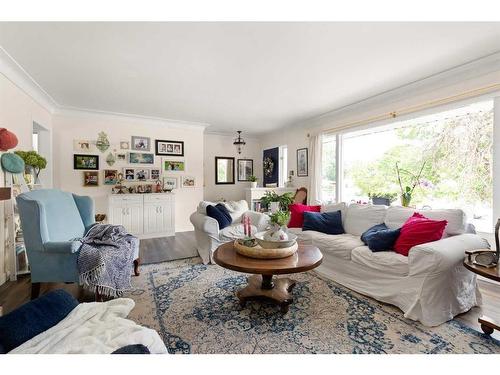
324, 222
380, 238
132, 349
34, 317
220, 213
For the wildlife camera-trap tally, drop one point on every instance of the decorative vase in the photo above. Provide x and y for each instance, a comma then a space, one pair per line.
110, 159
253, 184
276, 233
8, 140
405, 200
274, 206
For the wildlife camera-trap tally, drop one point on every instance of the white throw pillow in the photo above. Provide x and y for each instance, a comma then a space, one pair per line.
202, 207
360, 217
236, 209
397, 215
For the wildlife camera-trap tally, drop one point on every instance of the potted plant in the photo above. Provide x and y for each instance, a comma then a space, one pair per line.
278, 231
407, 190
275, 202
253, 181
34, 163
384, 199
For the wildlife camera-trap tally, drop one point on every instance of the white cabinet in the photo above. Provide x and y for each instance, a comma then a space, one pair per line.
144, 215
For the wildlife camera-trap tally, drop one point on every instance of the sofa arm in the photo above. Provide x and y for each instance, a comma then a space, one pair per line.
260, 220
438, 256
205, 224
62, 247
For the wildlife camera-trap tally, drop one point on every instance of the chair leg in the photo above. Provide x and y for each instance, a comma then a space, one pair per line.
35, 290
136, 267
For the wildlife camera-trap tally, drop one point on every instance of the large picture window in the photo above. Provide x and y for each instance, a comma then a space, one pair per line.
455, 148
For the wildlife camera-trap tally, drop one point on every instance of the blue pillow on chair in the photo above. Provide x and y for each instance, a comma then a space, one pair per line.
380, 238
324, 222
220, 213
34, 317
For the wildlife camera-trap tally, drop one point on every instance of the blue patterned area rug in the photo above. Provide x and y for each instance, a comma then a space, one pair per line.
195, 310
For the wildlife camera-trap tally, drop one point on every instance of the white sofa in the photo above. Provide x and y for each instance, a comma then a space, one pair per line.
430, 285
206, 229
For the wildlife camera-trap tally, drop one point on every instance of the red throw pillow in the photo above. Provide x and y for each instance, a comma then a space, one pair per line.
418, 230
297, 214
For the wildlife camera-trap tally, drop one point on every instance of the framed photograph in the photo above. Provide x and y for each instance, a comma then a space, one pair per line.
174, 165
110, 176
245, 169
170, 183
140, 143
188, 181
83, 145
302, 162
86, 162
140, 158
169, 148
155, 174
141, 174
129, 174
90, 178
121, 157
124, 145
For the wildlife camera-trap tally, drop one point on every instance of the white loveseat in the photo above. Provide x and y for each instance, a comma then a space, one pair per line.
430, 285
206, 229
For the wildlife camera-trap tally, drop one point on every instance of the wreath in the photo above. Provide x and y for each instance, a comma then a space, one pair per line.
268, 166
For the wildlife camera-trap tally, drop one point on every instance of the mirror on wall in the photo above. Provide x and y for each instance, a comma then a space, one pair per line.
224, 170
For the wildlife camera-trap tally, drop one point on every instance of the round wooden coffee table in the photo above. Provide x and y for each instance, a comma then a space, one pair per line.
262, 285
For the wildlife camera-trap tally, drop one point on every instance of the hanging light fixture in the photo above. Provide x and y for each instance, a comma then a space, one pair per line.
239, 142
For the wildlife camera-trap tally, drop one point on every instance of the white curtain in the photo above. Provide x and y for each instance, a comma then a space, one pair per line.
315, 148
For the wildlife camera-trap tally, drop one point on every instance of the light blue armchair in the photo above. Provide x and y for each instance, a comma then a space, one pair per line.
50, 219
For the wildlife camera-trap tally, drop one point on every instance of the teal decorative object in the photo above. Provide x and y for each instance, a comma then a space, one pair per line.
110, 159
102, 143
12, 163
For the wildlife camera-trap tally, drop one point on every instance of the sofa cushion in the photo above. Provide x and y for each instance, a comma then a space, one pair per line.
342, 207
380, 238
339, 245
220, 213
324, 222
35, 317
457, 221
360, 217
297, 214
418, 230
236, 209
233, 232
303, 237
385, 261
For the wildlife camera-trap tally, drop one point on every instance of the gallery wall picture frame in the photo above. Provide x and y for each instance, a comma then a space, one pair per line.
245, 169
169, 148
110, 177
142, 174
224, 170
170, 182
125, 145
129, 174
140, 143
170, 165
121, 157
84, 145
90, 178
302, 162
86, 162
155, 174
141, 158
188, 181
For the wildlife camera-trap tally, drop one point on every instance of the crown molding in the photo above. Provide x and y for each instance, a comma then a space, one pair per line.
89, 113
21, 78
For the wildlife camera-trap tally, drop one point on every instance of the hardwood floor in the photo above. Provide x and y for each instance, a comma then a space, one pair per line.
14, 294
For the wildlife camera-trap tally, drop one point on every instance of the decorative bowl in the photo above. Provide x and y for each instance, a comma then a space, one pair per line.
259, 236
258, 252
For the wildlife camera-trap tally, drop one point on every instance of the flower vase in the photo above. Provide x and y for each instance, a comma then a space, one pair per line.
253, 184
274, 206
405, 200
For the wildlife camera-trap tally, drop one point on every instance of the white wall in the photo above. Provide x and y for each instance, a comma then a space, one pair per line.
222, 145
17, 113
80, 125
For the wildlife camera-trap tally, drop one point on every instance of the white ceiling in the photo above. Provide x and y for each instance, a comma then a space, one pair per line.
250, 76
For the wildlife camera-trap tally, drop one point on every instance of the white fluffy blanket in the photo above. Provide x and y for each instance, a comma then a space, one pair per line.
94, 328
